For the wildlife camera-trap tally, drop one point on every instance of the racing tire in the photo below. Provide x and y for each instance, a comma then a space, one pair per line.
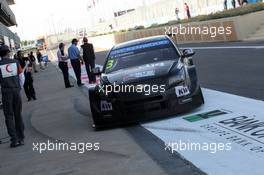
201, 95
96, 115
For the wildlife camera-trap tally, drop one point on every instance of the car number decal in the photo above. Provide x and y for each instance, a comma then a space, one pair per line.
106, 106
110, 64
181, 91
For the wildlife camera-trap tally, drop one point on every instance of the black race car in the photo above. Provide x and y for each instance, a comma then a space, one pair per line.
144, 79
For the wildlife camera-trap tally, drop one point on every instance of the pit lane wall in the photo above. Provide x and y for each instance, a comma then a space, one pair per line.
241, 27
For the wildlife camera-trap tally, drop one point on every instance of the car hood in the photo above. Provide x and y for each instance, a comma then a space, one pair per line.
140, 73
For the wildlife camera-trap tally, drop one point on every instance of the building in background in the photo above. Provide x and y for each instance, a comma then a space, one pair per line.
100, 11
126, 14
7, 19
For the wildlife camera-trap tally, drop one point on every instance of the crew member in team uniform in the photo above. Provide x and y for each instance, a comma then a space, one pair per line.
11, 80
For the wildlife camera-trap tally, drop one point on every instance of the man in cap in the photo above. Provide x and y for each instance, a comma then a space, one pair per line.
87, 52
11, 80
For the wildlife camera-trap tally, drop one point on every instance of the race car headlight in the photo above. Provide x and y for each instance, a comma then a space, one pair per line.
177, 78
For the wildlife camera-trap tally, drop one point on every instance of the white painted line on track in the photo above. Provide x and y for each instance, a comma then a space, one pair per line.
225, 47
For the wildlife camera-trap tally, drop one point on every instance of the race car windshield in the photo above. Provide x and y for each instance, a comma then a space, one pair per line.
140, 55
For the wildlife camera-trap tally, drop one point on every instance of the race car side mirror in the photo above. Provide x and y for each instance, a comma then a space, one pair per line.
97, 71
187, 53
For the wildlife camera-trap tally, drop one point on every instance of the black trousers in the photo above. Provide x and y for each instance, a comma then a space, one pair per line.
64, 68
89, 65
12, 107
29, 88
76, 65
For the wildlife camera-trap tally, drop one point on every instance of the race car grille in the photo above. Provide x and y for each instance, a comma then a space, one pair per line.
149, 104
145, 100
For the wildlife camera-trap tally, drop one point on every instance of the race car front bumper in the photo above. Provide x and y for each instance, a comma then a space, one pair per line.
144, 108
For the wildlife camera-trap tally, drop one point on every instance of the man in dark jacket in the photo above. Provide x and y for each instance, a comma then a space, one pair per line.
87, 52
39, 58
233, 2
28, 85
32, 59
11, 80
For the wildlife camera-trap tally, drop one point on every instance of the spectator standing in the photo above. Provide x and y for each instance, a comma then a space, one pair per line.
63, 65
33, 61
233, 2
74, 56
11, 80
225, 4
187, 10
177, 13
21, 60
244, 2
87, 52
39, 58
28, 85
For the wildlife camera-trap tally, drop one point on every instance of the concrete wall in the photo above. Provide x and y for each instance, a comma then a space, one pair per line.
188, 37
248, 24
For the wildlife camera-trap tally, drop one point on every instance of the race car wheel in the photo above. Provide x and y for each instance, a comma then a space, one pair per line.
95, 116
201, 95
94, 110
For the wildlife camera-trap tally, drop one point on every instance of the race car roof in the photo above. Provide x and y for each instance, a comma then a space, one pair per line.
140, 41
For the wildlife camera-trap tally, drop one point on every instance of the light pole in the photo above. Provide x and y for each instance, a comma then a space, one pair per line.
53, 25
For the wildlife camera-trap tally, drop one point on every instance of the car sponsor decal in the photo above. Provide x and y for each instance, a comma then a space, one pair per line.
106, 106
139, 47
206, 115
223, 119
9, 70
136, 75
152, 65
182, 91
